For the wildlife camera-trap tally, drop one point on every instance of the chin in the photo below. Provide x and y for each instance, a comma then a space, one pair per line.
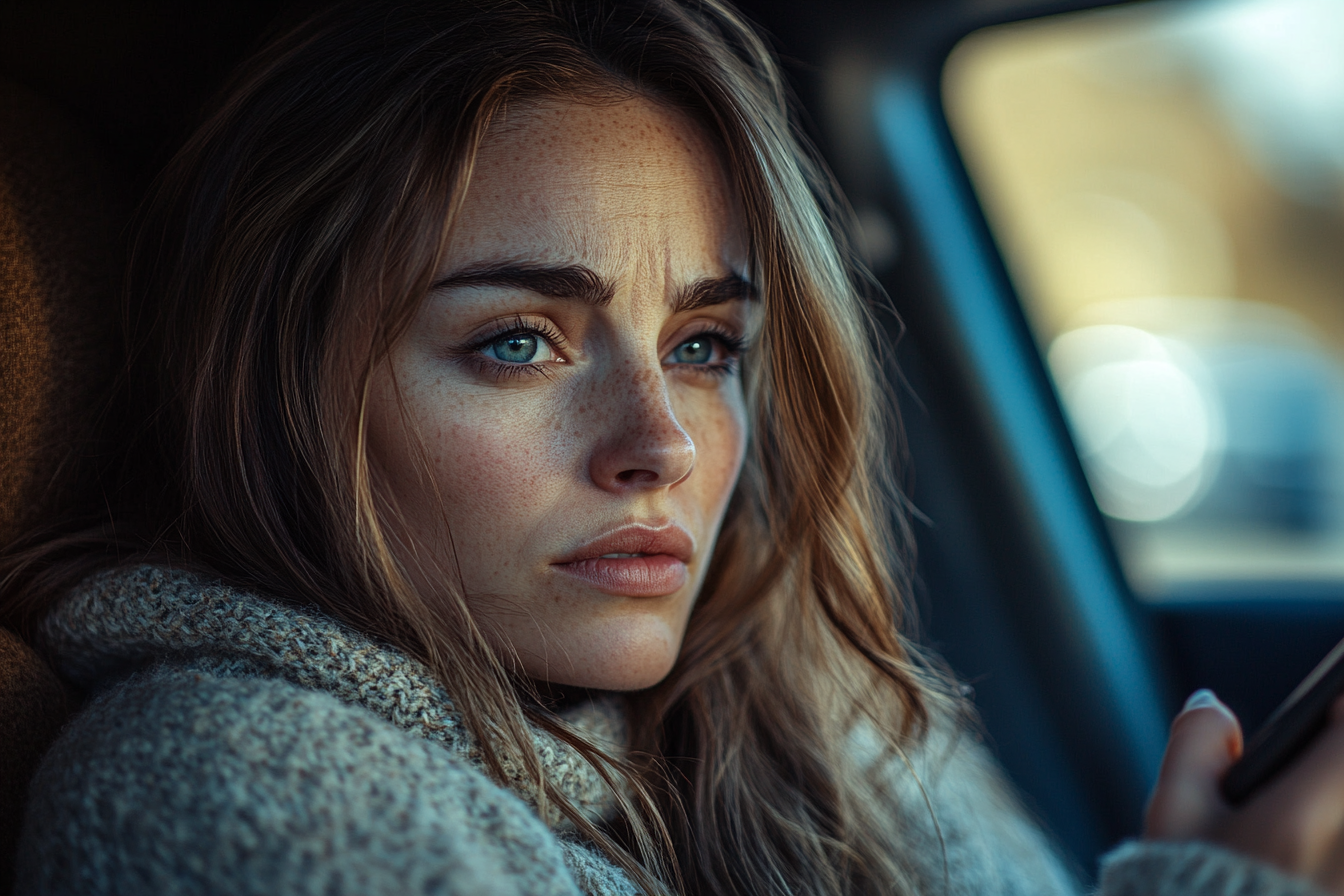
631, 658
633, 680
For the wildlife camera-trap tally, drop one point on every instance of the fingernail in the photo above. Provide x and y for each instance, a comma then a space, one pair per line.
1201, 699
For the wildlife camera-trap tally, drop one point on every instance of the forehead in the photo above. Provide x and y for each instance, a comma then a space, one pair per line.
596, 181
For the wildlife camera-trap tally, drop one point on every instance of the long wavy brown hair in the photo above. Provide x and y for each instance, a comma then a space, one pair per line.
284, 250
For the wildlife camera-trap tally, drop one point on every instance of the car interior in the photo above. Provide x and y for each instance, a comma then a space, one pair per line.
1109, 234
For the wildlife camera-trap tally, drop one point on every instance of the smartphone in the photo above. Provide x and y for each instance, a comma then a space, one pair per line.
1288, 730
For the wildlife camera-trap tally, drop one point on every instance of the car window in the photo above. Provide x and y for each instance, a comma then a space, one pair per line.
1166, 183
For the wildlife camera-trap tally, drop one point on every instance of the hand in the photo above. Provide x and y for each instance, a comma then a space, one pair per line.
1295, 822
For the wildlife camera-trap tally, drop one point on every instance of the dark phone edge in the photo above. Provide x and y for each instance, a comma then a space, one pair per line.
1288, 730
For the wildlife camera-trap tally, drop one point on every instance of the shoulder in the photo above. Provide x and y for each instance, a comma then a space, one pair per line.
182, 779
957, 821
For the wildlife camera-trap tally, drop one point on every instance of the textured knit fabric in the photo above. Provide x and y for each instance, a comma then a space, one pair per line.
1175, 869
236, 745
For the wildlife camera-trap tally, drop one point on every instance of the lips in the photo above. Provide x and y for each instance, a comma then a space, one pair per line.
633, 561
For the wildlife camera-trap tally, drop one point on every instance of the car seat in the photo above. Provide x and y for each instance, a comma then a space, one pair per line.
60, 227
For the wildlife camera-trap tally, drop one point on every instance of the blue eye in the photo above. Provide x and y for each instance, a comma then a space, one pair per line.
711, 352
699, 350
516, 348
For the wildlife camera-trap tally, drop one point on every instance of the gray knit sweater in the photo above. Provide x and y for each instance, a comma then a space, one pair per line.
235, 745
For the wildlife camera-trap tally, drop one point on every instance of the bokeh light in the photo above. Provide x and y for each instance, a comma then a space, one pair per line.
1166, 183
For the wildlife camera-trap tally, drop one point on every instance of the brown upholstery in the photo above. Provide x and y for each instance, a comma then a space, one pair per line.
33, 705
59, 228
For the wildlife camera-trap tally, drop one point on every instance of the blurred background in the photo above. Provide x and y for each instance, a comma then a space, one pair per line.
1166, 183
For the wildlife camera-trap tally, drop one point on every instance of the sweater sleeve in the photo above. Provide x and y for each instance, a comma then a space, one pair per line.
179, 781
991, 846
1156, 868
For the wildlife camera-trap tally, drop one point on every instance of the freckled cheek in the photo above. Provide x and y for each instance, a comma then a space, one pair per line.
719, 431
498, 464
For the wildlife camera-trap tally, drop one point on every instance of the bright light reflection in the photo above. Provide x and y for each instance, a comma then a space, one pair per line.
1148, 427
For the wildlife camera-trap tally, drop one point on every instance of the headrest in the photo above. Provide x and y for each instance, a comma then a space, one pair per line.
60, 225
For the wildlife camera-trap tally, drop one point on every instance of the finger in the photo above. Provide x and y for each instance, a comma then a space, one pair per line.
1298, 821
1205, 740
1330, 876
1337, 710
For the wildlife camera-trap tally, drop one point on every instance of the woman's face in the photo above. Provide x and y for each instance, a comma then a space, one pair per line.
574, 380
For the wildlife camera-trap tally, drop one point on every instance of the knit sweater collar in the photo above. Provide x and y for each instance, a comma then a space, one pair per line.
122, 620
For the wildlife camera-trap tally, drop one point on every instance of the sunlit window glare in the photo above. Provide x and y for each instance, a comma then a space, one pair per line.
1149, 433
1166, 183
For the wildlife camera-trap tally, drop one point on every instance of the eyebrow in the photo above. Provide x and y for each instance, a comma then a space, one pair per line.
714, 291
585, 285
568, 282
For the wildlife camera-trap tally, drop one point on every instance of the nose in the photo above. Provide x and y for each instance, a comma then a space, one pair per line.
643, 445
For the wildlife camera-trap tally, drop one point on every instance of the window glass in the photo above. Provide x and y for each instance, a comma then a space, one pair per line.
1166, 183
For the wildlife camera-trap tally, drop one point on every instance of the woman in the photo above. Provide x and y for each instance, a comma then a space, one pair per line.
512, 512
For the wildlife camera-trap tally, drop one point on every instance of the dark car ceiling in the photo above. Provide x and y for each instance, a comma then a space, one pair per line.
137, 70
133, 73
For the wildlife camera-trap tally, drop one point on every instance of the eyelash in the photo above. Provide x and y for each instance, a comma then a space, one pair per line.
474, 351
733, 345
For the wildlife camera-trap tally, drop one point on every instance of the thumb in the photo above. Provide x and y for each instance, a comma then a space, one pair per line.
1205, 741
